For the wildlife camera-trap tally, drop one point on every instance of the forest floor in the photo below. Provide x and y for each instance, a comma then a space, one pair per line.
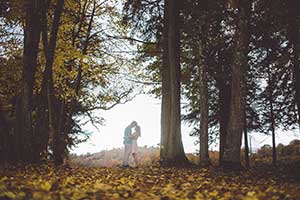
149, 182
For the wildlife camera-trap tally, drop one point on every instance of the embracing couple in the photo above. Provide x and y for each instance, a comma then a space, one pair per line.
131, 134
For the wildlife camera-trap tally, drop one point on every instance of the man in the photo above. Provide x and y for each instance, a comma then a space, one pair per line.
128, 143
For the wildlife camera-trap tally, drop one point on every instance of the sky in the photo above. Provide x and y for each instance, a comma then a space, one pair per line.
146, 111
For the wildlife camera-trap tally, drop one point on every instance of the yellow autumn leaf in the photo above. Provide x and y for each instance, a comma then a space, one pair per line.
101, 186
115, 196
7, 195
46, 186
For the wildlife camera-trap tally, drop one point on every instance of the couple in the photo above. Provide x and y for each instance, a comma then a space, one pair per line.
130, 142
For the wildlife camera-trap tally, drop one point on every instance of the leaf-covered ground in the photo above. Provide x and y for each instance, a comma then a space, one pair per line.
45, 182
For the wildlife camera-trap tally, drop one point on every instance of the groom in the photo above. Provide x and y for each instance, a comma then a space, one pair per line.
128, 142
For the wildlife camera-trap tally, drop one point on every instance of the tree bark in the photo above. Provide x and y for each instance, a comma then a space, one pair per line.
247, 160
224, 109
295, 40
54, 118
47, 97
24, 129
42, 122
204, 156
274, 154
297, 80
4, 132
293, 30
272, 120
54, 132
172, 152
232, 150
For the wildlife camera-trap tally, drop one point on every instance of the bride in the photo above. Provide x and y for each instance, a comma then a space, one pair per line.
134, 148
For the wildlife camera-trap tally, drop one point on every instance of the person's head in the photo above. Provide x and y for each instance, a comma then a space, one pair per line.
137, 127
133, 124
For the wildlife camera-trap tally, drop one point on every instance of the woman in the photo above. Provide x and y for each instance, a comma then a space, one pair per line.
134, 137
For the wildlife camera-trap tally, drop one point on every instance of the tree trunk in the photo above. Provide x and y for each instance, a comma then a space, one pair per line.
274, 155
53, 116
297, 82
204, 157
4, 132
293, 30
54, 132
250, 143
232, 150
172, 152
47, 98
32, 30
295, 40
42, 122
247, 160
224, 109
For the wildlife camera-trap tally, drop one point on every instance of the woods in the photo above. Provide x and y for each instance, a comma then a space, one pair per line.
171, 145
236, 68
228, 69
52, 86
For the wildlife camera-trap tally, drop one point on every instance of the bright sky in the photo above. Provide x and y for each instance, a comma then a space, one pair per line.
143, 109
146, 111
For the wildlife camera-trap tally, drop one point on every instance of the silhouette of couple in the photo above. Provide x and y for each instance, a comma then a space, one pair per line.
131, 134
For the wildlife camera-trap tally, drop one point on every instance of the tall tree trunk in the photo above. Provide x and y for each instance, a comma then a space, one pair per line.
54, 118
232, 150
247, 160
204, 157
54, 132
42, 122
297, 81
24, 128
293, 30
224, 109
47, 98
272, 116
295, 40
172, 152
4, 132
274, 154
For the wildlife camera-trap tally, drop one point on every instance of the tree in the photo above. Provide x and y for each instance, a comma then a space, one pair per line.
292, 20
203, 85
172, 151
296, 69
231, 157
276, 103
32, 33
47, 90
4, 135
52, 67
237, 43
204, 158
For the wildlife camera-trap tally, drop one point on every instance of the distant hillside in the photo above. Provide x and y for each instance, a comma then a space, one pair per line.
292, 149
114, 157
150, 155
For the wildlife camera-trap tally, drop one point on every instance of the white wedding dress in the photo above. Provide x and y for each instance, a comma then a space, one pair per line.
134, 147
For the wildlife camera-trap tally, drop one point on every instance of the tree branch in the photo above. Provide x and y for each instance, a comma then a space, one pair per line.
129, 38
